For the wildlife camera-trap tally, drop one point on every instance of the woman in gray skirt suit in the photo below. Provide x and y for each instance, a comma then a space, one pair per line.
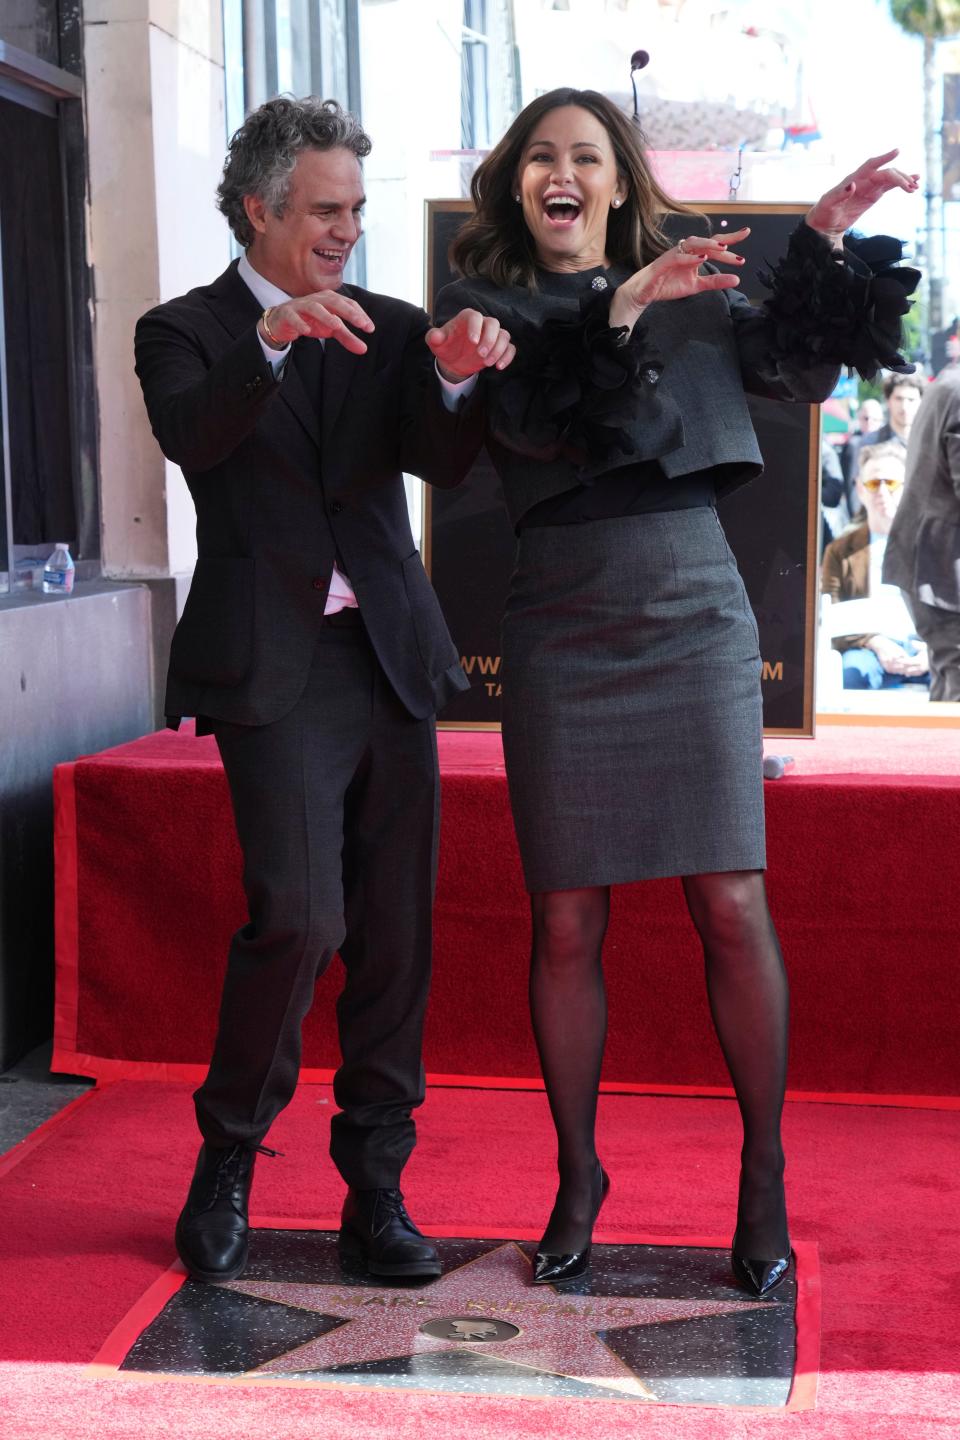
631, 671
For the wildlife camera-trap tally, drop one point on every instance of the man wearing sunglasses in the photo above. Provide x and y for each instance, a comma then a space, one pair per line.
892, 654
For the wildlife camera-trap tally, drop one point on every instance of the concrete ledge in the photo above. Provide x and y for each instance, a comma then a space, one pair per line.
76, 676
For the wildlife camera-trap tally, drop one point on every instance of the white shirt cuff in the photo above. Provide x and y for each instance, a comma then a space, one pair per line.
276, 359
455, 390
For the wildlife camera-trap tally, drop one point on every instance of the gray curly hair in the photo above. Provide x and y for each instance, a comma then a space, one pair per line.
262, 154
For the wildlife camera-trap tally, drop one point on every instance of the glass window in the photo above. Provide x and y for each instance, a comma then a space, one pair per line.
299, 47
474, 106
33, 26
33, 275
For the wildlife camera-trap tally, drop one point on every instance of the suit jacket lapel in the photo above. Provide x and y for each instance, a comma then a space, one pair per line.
237, 308
293, 393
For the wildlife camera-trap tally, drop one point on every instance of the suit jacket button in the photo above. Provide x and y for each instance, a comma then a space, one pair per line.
336, 507
319, 583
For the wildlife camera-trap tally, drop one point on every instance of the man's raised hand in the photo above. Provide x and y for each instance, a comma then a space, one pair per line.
469, 343
324, 315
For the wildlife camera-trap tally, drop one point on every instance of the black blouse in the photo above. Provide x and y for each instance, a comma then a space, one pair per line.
637, 489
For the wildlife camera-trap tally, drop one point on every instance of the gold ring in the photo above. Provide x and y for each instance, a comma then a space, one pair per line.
680, 247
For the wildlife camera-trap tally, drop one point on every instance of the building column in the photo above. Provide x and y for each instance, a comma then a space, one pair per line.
156, 142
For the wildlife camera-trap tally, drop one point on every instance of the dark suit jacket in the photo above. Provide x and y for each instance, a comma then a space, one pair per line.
715, 345
281, 491
923, 552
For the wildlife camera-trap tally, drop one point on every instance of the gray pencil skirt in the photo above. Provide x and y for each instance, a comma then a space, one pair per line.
631, 703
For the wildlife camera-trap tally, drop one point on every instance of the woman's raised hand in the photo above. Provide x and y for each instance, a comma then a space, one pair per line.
840, 208
676, 274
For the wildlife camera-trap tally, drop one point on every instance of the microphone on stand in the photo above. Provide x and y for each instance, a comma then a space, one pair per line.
639, 60
776, 766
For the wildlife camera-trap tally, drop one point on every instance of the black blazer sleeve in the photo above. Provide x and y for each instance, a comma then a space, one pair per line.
437, 444
201, 406
827, 308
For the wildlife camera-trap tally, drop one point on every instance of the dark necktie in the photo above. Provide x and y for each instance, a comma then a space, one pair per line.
307, 356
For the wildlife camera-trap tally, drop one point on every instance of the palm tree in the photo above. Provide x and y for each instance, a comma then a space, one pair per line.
933, 20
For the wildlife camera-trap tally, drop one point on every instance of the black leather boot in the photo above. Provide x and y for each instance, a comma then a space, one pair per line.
377, 1233
211, 1234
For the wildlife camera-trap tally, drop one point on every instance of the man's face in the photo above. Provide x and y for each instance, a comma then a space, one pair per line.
902, 406
870, 416
880, 487
306, 248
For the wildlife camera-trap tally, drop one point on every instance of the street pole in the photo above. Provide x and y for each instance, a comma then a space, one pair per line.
934, 179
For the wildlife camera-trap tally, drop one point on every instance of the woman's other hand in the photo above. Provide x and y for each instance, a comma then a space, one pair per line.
676, 274
840, 208
468, 343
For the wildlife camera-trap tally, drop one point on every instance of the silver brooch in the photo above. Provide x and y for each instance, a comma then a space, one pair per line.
598, 283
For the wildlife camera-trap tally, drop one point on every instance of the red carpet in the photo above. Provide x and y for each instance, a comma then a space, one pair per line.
87, 1213
864, 884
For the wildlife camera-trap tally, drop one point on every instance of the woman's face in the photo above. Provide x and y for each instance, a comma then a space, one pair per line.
567, 180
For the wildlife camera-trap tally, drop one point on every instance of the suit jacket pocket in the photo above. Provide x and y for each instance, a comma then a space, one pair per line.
430, 629
213, 643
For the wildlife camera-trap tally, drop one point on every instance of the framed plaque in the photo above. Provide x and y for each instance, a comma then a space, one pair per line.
772, 524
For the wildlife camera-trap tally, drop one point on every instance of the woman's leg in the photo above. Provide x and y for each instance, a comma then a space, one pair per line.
749, 1001
568, 1004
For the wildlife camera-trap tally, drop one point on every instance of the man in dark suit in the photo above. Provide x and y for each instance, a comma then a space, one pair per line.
313, 647
923, 552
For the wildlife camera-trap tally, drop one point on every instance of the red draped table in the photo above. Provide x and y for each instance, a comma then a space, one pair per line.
864, 879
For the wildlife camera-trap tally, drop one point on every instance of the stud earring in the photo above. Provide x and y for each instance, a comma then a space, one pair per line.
517, 198
616, 204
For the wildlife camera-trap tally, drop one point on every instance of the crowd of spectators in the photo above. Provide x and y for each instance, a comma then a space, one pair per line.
891, 539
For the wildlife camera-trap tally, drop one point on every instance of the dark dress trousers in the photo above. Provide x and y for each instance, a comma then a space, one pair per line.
325, 725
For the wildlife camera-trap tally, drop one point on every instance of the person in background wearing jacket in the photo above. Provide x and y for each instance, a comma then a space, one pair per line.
892, 655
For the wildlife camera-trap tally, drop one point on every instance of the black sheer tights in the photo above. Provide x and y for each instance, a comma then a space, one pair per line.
749, 1001
568, 1003
747, 989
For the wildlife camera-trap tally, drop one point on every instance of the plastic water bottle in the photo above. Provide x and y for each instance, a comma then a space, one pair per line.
59, 571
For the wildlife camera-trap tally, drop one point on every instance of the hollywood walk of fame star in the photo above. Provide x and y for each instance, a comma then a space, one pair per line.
558, 1332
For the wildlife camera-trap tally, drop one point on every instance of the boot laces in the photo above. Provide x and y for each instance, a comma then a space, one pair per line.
389, 1207
232, 1164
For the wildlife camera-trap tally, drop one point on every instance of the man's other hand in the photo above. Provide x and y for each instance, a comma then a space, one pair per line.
469, 343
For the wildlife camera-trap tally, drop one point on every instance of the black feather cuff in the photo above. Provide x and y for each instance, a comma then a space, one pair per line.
576, 387
832, 308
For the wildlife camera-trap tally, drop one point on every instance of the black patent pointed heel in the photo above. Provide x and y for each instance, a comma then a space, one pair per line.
759, 1277
550, 1269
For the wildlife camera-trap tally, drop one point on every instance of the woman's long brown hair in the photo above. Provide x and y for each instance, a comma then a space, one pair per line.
495, 242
